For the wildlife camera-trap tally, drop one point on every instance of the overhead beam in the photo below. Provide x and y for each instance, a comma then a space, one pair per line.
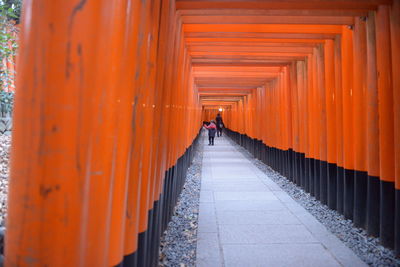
249, 49
258, 35
275, 12
262, 19
256, 41
282, 4
263, 28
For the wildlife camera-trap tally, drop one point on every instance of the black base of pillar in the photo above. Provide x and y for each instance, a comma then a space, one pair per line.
307, 175
303, 170
373, 206
142, 246
348, 194
130, 260
360, 199
150, 236
332, 180
317, 179
397, 224
311, 168
289, 165
387, 214
323, 182
156, 235
340, 190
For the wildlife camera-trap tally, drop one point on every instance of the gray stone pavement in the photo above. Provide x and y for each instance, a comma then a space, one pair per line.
245, 219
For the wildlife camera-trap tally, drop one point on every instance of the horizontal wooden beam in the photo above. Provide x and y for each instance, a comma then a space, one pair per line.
229, 68
249, 49
248, 43
240, 62
262, 19
263, 28
259, 35
255, 41
281, 4
227, 88
275, 12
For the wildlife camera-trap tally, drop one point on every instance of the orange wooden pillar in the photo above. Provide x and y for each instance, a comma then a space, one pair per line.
290, 125
315, 125
310, 126
359, 122
373, 189
160, 174
152, 168
348, 142
134, 184
276, 117
282, 123
330, 97
145, 88
295, 120
125, 243
287, 113
395, 44
61, 192
339, 125
303, 119
323, 139
386, 126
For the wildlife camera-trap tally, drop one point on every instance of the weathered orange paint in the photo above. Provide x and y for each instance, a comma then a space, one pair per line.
330, 96
385, 95
347, 88
372, 101
359, 94
395, 44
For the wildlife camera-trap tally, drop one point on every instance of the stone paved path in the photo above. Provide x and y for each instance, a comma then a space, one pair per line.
245, 219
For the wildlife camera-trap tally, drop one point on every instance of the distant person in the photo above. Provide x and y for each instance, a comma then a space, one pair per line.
220, 124
212, 129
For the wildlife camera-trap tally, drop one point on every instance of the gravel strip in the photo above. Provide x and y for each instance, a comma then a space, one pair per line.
367, 248
5, 143
178, 244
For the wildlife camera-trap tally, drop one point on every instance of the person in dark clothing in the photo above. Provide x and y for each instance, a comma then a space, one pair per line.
212, 129
220, 124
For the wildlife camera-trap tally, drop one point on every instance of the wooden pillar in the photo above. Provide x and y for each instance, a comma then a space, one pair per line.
359, 122
301, 121
348, 142
373, 194
295, 119
339, 125
311, 124
64, 146
386, 126
323, 140
330, 97
395, 44
316, 116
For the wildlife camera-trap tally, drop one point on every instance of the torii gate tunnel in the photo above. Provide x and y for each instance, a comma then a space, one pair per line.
111, 96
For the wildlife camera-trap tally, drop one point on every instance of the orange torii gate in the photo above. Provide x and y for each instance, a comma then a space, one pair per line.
111, 96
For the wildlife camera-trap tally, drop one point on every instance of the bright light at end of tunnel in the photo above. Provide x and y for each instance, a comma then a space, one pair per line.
220, 109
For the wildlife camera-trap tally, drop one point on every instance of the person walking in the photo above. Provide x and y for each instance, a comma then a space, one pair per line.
220, 124
212, 128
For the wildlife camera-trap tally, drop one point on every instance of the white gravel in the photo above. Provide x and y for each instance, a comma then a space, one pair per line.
5, 143
178, 244
364, 246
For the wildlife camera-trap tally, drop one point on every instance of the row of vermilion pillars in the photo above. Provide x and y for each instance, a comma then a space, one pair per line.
335, 116
104, 120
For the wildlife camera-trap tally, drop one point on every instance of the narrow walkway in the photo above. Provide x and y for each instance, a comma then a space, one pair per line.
245, 219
